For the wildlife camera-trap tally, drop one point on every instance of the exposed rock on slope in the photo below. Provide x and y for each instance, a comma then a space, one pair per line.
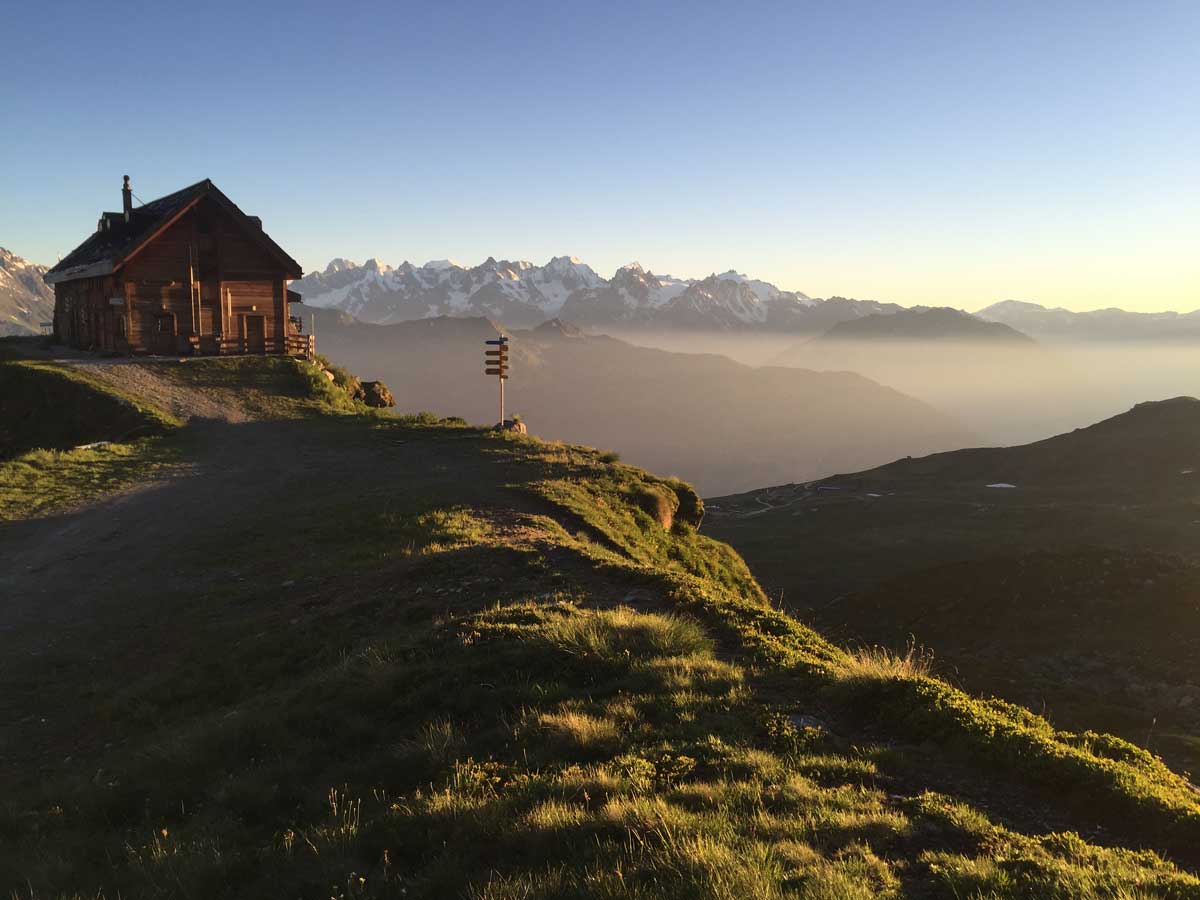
26, 301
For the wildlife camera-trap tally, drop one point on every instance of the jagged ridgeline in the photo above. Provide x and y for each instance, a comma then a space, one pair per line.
26, 301
326, 651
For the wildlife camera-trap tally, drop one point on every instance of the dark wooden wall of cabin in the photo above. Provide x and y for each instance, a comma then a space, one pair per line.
191, 287
85, 317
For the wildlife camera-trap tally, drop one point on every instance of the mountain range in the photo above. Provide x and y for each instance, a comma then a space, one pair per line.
1044, 323
520, 294
25, 299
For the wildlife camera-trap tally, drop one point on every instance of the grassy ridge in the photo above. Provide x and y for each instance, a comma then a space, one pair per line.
519, 671
1130, 784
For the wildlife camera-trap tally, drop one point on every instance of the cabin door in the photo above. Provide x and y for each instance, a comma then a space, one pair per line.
256, 334
162, 341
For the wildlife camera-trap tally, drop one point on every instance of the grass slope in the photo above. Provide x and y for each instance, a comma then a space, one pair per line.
52, 407
1095, 638
1061, 591
66, 438
70, 433
495, 667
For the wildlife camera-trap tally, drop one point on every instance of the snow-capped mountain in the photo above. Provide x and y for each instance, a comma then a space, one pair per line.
516, 293
521, 293
26, 301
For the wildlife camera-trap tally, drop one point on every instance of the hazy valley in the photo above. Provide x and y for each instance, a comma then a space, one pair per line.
1061, 574
721, 424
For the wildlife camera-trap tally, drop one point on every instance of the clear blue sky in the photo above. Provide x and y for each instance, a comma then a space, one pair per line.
956, 152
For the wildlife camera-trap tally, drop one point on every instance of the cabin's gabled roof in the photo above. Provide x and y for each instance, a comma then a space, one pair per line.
107, 249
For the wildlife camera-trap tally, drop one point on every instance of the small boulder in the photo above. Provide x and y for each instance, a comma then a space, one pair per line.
513, 425
803, 721
376, 394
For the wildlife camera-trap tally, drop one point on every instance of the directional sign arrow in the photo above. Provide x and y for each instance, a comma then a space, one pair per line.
502, 353
494, 371
499, 341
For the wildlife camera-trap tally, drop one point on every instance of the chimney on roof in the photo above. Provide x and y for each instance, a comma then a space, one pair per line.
127, 199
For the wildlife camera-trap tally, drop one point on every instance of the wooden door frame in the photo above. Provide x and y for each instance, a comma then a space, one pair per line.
246, 317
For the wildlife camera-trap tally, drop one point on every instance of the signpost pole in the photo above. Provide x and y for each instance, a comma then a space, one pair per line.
496, 363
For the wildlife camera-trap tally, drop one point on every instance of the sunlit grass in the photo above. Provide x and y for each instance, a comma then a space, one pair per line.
880, 663
41, 482
453, 699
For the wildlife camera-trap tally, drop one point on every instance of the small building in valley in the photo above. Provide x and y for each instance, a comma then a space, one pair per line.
186, 273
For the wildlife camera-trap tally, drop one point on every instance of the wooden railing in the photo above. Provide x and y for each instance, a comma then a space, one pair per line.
302, 345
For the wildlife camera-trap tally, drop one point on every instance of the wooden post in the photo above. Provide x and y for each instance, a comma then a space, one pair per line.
495, 362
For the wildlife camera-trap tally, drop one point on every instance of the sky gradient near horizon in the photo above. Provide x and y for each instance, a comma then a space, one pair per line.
933, 152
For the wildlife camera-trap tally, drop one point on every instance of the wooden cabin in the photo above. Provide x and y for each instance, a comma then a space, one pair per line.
186, 273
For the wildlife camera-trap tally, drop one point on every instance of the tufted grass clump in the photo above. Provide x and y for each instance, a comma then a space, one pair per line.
880, 663
618, 634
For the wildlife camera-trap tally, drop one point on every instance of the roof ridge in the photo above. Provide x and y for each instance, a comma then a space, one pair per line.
206, 183
105, 250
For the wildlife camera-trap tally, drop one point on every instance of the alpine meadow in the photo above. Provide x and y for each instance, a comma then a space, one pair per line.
597, 451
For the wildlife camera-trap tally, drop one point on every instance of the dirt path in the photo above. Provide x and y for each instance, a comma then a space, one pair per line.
54, 570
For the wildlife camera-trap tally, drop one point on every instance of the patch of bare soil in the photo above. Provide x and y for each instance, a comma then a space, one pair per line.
183, 402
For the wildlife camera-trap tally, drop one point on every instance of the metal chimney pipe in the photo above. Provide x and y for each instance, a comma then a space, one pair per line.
127, 199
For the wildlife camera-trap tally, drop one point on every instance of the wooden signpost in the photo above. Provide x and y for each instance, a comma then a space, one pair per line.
496, 363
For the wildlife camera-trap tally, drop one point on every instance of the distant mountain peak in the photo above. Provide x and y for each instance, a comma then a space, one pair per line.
925, 324
26, 301
338, 264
